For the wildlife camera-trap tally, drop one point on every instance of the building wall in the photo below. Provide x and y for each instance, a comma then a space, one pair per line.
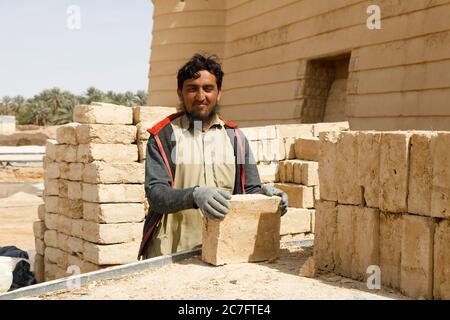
398, 77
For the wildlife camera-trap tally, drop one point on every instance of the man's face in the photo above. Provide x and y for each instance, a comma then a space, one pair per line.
200, 96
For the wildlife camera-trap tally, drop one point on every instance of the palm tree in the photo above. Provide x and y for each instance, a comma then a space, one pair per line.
53, 99
140, 98
94, 95
128, 99
6, 105
18, 102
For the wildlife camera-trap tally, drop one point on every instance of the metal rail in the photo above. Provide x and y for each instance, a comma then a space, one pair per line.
113, 272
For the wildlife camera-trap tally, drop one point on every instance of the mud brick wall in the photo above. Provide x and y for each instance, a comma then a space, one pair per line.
385, 201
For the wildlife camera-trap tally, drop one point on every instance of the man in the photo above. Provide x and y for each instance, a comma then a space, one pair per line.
195, 161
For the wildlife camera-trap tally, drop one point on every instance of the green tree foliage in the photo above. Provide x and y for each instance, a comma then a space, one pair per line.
53, 106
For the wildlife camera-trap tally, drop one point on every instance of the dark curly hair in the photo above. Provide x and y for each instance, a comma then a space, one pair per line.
199, 62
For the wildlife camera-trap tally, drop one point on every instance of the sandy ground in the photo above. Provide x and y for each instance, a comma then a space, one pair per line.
193, 279
17, 214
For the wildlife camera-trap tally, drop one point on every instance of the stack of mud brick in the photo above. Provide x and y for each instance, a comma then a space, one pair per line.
385, 202
286, 156
94, 194
144, 118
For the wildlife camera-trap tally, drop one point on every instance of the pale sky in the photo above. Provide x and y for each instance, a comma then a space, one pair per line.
38, 50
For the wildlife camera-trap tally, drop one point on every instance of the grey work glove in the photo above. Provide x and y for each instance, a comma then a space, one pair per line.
212, 201
272, 191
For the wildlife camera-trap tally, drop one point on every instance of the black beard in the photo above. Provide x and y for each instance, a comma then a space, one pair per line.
195, 117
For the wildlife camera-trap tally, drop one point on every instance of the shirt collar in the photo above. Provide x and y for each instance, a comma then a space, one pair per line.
216, 122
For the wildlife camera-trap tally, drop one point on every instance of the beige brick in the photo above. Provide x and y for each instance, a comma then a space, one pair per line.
330, 126
71, 208
74, 260
249, 232
298, 196
106, 134
289, 167
64, 224
66, 134
52, 171
39, 229
310, 173
113, 212
268, 172
66, 152
49, 270
289, 148
51, 238
270, 150
313, 219
440, 196
316, 191
345, 238
41, 212
51, 204
295, 130
366, 250
416, 275
325, 230
111, 254
307, 149
39, 245
114, 153
75, 171
64, 170
394, 156
260, 133
295, 220
420, 173
112, 233
75, 245
51, 221
297, 178
56, 256
113, 192
63, 242
50, 149
77, 228
101, 172
39, 268
253, 145
103, 113
369, 167
63, 188
391, 226
61, 272
348, 189
74, 190
51, 187
46, 161
327, 166
142, 149
282, 171
142, 133
154, 114
441, 287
